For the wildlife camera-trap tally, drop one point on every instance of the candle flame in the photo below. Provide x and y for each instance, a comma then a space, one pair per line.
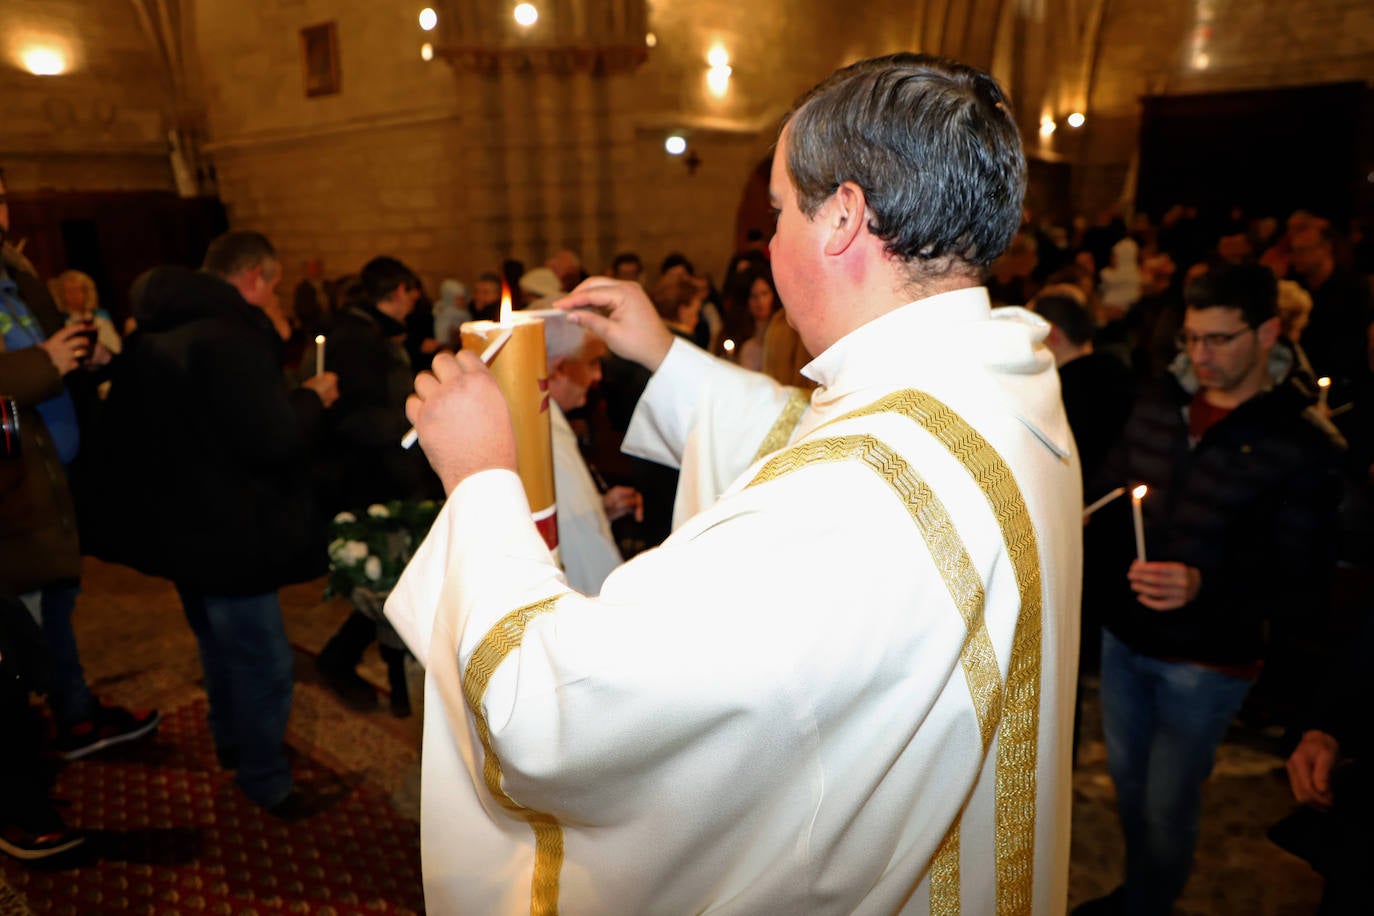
319, 339
729, 345
507, 313
1323, 382
1140, 491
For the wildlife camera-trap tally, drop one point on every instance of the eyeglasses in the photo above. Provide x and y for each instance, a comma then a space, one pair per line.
1213, 341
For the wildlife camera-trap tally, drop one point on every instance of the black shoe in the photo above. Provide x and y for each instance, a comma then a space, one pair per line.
109, 726
355, 692
1110, 905
300, 804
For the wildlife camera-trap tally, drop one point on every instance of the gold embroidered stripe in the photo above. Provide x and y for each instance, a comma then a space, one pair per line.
944, 875
947, 550
797, 402
1017, 742
502, 639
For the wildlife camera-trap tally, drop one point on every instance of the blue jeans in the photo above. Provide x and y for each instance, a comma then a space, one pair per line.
249, 675
1162, 722
70, 700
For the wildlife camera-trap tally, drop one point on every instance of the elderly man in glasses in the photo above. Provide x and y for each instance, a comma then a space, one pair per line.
1238, 524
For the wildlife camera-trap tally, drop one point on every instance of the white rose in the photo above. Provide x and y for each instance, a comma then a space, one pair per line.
377, 510
353, 551
335, 548
373, 568
343, 518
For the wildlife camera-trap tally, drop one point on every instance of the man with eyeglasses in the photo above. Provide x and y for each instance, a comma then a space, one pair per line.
1239, 522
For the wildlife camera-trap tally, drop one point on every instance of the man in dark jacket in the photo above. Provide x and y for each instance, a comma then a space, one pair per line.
1238, 522
214, 463
367, 350
40, 558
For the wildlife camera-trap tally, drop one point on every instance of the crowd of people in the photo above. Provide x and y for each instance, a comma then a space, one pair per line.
1224, 365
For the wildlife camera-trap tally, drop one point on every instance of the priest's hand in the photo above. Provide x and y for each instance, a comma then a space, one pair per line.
462, 419
1164, 586
631, 326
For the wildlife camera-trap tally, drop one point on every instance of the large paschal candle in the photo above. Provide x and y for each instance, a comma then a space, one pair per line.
521, 372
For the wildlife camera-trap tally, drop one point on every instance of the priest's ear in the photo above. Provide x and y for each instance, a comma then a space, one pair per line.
846, 214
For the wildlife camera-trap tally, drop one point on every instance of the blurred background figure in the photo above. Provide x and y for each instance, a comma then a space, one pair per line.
450, 312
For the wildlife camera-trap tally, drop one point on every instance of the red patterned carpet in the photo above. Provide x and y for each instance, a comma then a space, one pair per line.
171, 834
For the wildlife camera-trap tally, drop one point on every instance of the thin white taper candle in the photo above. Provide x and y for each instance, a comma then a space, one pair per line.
1137, 495
489, 354
1119, 491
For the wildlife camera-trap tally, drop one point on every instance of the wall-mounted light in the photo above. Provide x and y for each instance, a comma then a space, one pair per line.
675, 145
1047, 126
651, 40
44, 61
526, 15
718, 77
1076, 119
428, 19
426, 51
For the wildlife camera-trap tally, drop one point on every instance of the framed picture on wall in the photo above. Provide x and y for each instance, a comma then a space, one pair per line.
320, 55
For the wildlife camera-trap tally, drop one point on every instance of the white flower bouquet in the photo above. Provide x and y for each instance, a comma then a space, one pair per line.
367, 554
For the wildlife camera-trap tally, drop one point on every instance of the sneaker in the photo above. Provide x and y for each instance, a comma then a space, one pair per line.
111, 725
32, 845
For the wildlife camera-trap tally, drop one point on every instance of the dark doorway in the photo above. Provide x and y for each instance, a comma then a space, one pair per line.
113, 235
1269, 152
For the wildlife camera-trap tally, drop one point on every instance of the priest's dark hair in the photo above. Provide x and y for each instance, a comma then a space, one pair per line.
933, 145
234, 252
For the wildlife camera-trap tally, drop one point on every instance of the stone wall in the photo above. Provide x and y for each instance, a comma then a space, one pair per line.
101, 124
346, 176
452, 168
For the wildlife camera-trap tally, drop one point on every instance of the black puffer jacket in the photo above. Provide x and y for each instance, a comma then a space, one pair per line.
204, 451
1252, 505
364, 462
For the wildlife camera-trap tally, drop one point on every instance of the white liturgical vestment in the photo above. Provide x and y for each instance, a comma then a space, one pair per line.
585, 542
844, 686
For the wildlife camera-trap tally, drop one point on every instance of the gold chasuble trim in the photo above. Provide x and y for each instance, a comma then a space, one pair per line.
503, 638
944, 875
1017, 747
951, 557
791, 415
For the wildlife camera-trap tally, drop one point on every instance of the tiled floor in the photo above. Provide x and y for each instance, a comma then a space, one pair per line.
138, 651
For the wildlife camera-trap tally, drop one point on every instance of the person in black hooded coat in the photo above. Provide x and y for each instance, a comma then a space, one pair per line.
205, 460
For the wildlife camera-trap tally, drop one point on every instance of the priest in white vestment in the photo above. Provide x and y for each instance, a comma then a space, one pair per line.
845, 684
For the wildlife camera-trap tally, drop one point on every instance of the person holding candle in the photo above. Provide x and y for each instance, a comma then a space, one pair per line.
209, 484
844, 686
1240, 480
364, 466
